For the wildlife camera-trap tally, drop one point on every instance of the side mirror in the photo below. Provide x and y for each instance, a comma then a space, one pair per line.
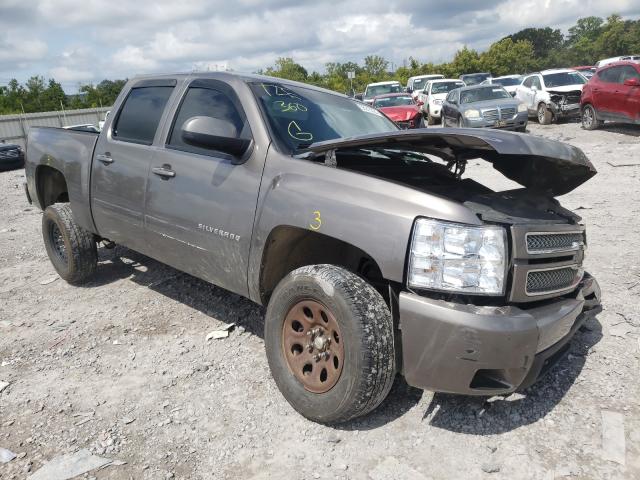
214, 134
534, 88
409, 90
358, 96
632, 82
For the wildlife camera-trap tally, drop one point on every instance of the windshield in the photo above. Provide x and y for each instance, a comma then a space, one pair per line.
445, 87
482, 94
375, 90
563, 79
393, 101
418, 83
507, 82
475, 78
302, 116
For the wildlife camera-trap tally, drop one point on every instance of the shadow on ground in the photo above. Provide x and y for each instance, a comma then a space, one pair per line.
456, 413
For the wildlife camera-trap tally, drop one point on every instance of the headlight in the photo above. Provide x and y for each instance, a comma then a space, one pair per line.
472, 114
522, 108
458, 258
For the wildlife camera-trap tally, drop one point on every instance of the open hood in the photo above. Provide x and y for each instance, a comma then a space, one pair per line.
546, 166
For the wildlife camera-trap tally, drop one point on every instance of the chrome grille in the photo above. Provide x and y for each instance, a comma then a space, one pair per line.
490, 114
507, 113
554, 242
541, 282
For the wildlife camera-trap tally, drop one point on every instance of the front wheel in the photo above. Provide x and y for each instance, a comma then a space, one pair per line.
589, 118
71, 249
544, 115
460, 122
329, 342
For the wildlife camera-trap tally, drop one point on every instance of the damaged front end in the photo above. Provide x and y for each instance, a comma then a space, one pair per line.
462, 341
565, 103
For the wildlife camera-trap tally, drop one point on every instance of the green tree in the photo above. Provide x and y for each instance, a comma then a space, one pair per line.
285, 67
506, 57
376, 66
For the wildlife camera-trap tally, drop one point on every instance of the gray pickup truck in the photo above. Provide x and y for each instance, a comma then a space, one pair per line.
372, 251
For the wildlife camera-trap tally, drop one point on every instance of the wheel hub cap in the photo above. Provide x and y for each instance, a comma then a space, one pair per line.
312, 345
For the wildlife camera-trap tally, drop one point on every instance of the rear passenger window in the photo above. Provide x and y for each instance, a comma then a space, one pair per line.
610, 75
205, 102
140, 115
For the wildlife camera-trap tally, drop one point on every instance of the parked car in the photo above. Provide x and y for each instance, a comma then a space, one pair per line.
433, 95
509, 82
585, 70
371, 254
417, 83
401, 108
552, 94
474, 78
380, 88
85, 127
612, 94
607, 61
484, 106
11, 156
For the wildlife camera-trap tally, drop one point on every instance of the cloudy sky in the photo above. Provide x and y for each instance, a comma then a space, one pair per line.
88, 40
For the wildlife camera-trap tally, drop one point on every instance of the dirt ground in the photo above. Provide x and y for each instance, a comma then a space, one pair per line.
122, 367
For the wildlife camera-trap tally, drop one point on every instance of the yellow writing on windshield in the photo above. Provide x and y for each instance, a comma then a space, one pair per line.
296, 132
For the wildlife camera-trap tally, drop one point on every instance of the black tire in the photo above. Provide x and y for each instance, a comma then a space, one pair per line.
420, 123
521, 129
71, 249
544, 115
590, 118
443, 122
430, 119
366, 326
460, 122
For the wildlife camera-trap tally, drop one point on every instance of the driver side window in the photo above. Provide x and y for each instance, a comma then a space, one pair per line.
205, 102
535, 82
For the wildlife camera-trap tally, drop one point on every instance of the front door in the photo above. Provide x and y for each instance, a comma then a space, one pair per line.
121, 164
627, 102
201, 203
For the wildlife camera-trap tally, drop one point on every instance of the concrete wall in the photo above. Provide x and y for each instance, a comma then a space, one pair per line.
14, 128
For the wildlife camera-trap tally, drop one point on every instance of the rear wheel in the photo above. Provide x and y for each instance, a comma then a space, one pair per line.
544, 115
71, 249
590, 118
329, 342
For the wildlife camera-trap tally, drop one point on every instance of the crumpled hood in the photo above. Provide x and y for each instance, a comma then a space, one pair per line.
565, 89
546, 166
400, 113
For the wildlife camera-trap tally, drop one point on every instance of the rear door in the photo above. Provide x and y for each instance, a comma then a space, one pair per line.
524, 92
121, 163
606, 92
201, 203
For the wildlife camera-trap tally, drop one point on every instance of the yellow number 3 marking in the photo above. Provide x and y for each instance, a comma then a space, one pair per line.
317, 221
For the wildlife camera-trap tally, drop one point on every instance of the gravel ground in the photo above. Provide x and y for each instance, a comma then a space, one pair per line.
123, 368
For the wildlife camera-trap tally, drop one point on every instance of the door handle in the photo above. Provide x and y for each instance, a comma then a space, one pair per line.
104, 158
164, 171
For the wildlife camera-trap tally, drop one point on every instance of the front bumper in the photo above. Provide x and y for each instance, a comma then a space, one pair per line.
466, 349
565, 110
519, 121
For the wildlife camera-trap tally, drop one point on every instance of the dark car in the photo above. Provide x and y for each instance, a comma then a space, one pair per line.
474, 78
484, 106
401, 108
11, 156
612, 94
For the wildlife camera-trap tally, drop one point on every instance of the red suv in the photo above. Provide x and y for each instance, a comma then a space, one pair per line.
613, 93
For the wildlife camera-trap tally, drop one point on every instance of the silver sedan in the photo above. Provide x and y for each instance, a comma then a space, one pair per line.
489, 106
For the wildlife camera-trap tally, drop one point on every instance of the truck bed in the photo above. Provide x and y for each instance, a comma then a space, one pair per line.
70, 152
